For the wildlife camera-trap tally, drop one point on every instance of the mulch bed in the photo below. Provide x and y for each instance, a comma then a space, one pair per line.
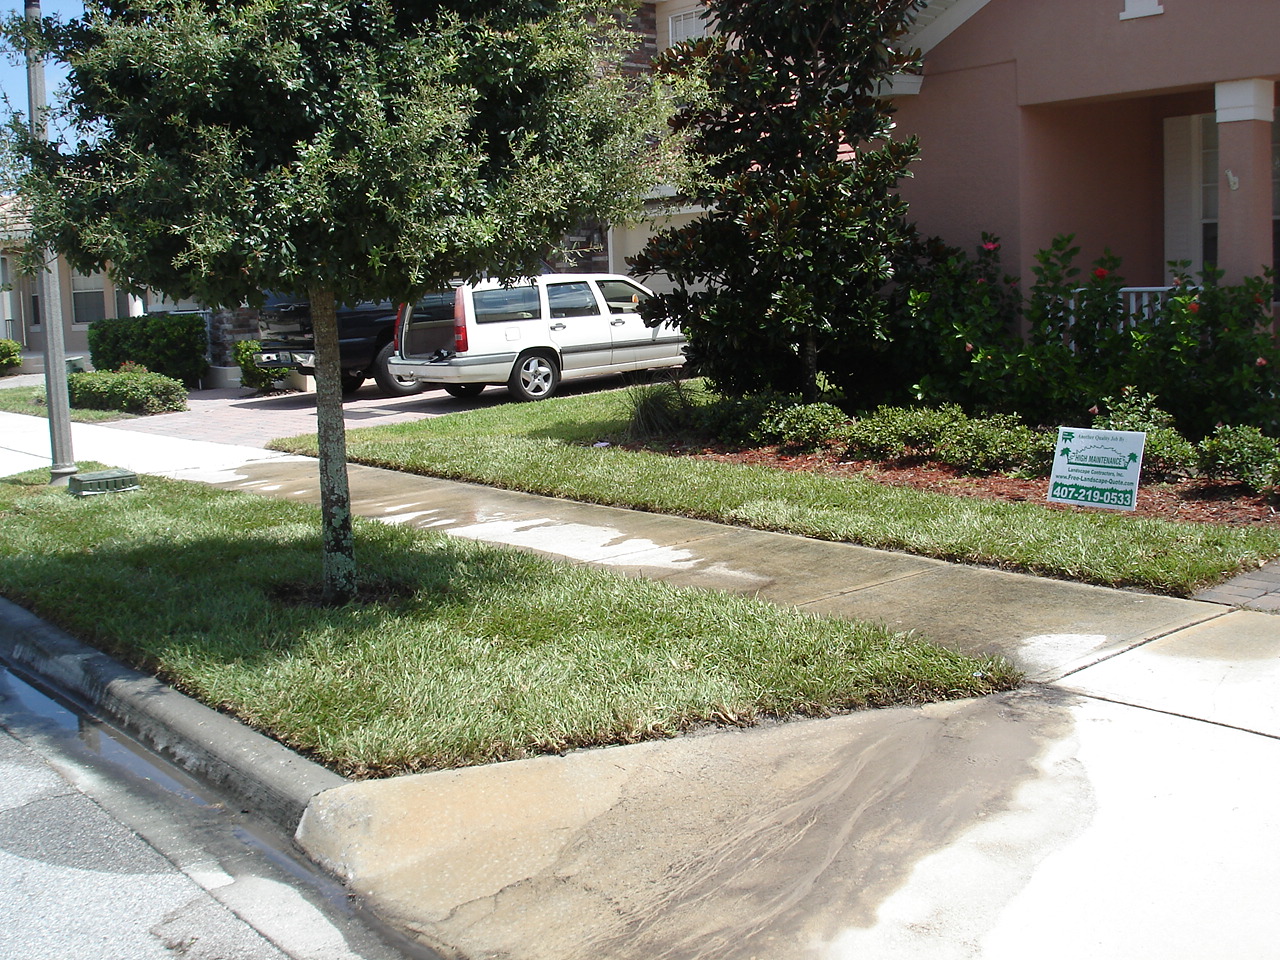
1200, 501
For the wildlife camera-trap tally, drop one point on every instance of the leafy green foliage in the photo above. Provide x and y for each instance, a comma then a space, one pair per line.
10, 356
661, 409
802, 426
951, 328
794, 252
130, 391
339, 149
998, 443
251, 375
903, 431
174, 345
1167, 453
385, 148
1244, 454
1204, 350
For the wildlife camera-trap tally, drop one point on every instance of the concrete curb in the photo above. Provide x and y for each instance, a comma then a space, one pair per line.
272, 780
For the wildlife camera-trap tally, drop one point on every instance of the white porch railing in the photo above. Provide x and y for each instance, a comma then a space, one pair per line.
1143, 303
1140, 304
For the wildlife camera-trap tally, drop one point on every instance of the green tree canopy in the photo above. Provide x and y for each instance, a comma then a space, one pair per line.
215, 149
802, 219
344, 149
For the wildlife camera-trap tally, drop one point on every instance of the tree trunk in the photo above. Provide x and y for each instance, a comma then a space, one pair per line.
335, 495
809, 357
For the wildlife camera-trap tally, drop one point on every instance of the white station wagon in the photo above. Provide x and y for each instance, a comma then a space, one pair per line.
531, 334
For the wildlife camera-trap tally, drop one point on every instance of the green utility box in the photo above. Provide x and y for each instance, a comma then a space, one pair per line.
104, 481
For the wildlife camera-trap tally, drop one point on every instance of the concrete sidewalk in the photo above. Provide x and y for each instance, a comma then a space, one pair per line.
1121, 805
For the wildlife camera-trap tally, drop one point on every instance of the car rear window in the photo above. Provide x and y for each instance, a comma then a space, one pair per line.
506, 303
434, 306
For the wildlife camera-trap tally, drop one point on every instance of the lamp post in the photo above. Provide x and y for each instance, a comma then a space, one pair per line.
55, 357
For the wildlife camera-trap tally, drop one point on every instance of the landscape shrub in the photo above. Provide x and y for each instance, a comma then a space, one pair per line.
130, 391
801, 426
1205, 349
734, 420
997, 444
252, 376
1167, 453
1209, 353
10, 356
173, 345
1241, 453
903, 431
963, 317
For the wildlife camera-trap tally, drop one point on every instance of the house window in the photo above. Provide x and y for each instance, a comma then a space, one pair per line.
688, 26
88, 297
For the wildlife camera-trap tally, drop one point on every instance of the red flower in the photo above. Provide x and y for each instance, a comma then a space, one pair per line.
1094, 409
1101, 273
991, 246
1193, 307
981, 280
968, 348
1260, 362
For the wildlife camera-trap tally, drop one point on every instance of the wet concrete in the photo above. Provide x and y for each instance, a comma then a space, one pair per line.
756, 843
1048, 628
1226, 671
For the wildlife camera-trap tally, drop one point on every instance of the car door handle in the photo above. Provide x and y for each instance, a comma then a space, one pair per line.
617, 323
557, 326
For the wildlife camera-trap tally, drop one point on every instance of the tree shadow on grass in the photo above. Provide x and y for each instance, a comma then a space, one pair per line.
238, 599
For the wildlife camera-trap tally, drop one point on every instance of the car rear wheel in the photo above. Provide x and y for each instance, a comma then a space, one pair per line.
388, 382
464, 391
534, 377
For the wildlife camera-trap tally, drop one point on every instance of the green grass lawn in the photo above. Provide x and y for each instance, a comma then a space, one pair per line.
31, 400
547, 448
477, 653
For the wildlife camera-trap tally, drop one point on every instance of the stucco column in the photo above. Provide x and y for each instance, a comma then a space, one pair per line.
1246, 110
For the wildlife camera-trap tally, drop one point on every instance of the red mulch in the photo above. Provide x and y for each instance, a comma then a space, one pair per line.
1202, 501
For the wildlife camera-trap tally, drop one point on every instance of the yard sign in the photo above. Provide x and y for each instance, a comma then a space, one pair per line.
1097, 468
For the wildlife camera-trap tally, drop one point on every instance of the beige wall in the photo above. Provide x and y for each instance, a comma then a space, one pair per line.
628, 241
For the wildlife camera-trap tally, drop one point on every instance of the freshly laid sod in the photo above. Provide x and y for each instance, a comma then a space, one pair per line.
548, 448
31, 400
463, 653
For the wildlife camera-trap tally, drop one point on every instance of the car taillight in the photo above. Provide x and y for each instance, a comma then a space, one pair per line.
402, 319
459, 323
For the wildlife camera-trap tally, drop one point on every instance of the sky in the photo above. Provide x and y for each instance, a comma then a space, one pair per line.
13, 71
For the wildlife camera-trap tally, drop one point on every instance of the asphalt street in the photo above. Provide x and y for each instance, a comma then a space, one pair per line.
106, 853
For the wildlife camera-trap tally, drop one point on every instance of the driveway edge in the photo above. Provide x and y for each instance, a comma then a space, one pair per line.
270, 778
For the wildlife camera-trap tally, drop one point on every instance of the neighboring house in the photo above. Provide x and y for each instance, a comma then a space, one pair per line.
1143, 126
662, 25
85, 298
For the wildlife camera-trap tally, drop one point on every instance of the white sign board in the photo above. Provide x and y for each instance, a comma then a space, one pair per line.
1097, 468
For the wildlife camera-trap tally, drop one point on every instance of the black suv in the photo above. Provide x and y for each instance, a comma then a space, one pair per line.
364, 340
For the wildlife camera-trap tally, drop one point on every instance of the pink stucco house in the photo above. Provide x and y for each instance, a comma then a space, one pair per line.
1146, 126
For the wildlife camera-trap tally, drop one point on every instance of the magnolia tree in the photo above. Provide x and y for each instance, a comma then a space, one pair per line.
802, 220
342, 149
